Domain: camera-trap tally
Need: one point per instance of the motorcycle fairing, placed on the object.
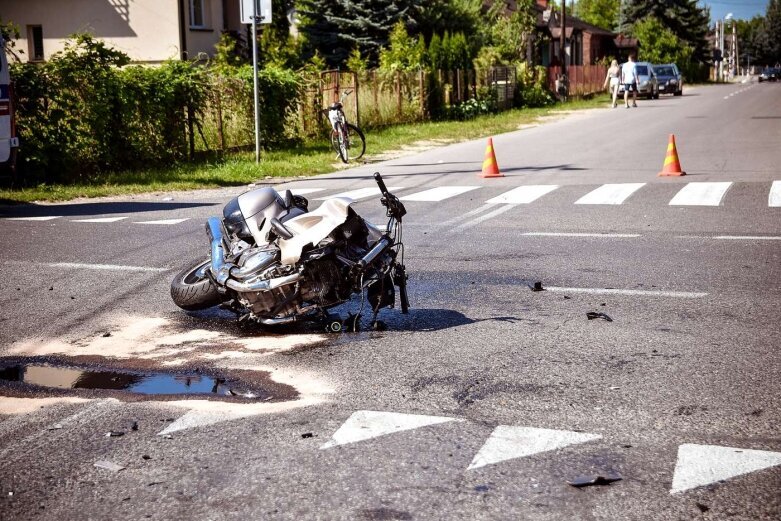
(313, 227)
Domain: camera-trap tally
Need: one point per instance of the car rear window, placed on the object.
(642, 70)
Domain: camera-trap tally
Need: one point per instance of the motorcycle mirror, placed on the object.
(280, 229)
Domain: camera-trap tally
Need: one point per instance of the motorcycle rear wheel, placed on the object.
(191, 292)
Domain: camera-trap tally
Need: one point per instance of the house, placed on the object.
(149, 31)
(586, 44)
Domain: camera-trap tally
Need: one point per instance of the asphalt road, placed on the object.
(484, 401)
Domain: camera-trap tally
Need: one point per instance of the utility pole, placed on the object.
(563, 38)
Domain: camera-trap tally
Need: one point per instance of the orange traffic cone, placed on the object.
(671, 164)
(490, 168)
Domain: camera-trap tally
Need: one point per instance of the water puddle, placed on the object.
(138, 382)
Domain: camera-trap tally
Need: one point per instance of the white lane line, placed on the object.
(774, 198)
(747, 238)
(439, 194)
(700, 465)
(302, 191)
(509, 442)
(701, 194)
(104, 267)
(99, 220)
(364, 425)
(610, 194)
(489, 215)
(40, 218)
(467, 215)
(361, 193)
(633, 292)
(163, 221)
(599, 235)
(523, 194)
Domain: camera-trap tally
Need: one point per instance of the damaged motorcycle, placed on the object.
(272, 261)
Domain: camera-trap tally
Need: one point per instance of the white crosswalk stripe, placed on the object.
(303, 191)
(439, 194)
(99, 220)
(163, 221)
(39, 218)
(610, 194)
(701, 194)
(361, 193)
(523, 194)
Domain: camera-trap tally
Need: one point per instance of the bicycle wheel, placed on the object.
(355, 141)
(339, 142)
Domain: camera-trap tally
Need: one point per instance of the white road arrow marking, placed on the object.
(364, 425)
(700, 465)
(509, 442)
(774, 198)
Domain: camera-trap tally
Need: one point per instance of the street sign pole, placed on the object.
(255, 78)
(258, 12)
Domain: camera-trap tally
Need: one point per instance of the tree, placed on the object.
(602, 13)
(773, 31)
(658, 44)
(335, 28)
(438, 16)
(687, 20)
(404, 52)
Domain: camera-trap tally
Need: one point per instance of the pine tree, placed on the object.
(336, 27)
(687, 20)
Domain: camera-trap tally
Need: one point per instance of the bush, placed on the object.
(84, 113)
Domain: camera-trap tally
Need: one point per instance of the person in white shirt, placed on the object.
(629, 79)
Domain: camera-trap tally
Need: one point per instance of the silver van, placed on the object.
(8, 140)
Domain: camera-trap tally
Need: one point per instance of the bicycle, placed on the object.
(346, 138)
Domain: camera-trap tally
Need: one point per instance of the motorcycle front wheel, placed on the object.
(191, 291)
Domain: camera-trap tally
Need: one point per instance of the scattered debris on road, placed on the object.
(109, 465)
(594, 479)
(591, 315)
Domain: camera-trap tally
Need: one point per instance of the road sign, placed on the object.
(262, 8)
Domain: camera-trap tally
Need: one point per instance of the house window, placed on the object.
(197, 13)
(35, 42)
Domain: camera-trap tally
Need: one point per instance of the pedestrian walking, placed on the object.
(613, 77)
(629, 80)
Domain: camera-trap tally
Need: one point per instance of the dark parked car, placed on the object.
(669, 79)
(769, 74)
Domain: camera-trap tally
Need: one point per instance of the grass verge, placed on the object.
(305, 160)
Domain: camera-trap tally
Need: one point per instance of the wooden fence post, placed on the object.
(398, 93)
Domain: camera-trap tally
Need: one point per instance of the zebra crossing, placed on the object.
(692, 194)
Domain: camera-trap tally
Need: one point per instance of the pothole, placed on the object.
(33, 376)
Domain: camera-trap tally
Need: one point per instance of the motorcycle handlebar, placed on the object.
(380, 183)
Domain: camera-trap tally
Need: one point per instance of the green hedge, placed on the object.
(86, 112)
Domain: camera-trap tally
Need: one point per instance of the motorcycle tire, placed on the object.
(191, 292)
